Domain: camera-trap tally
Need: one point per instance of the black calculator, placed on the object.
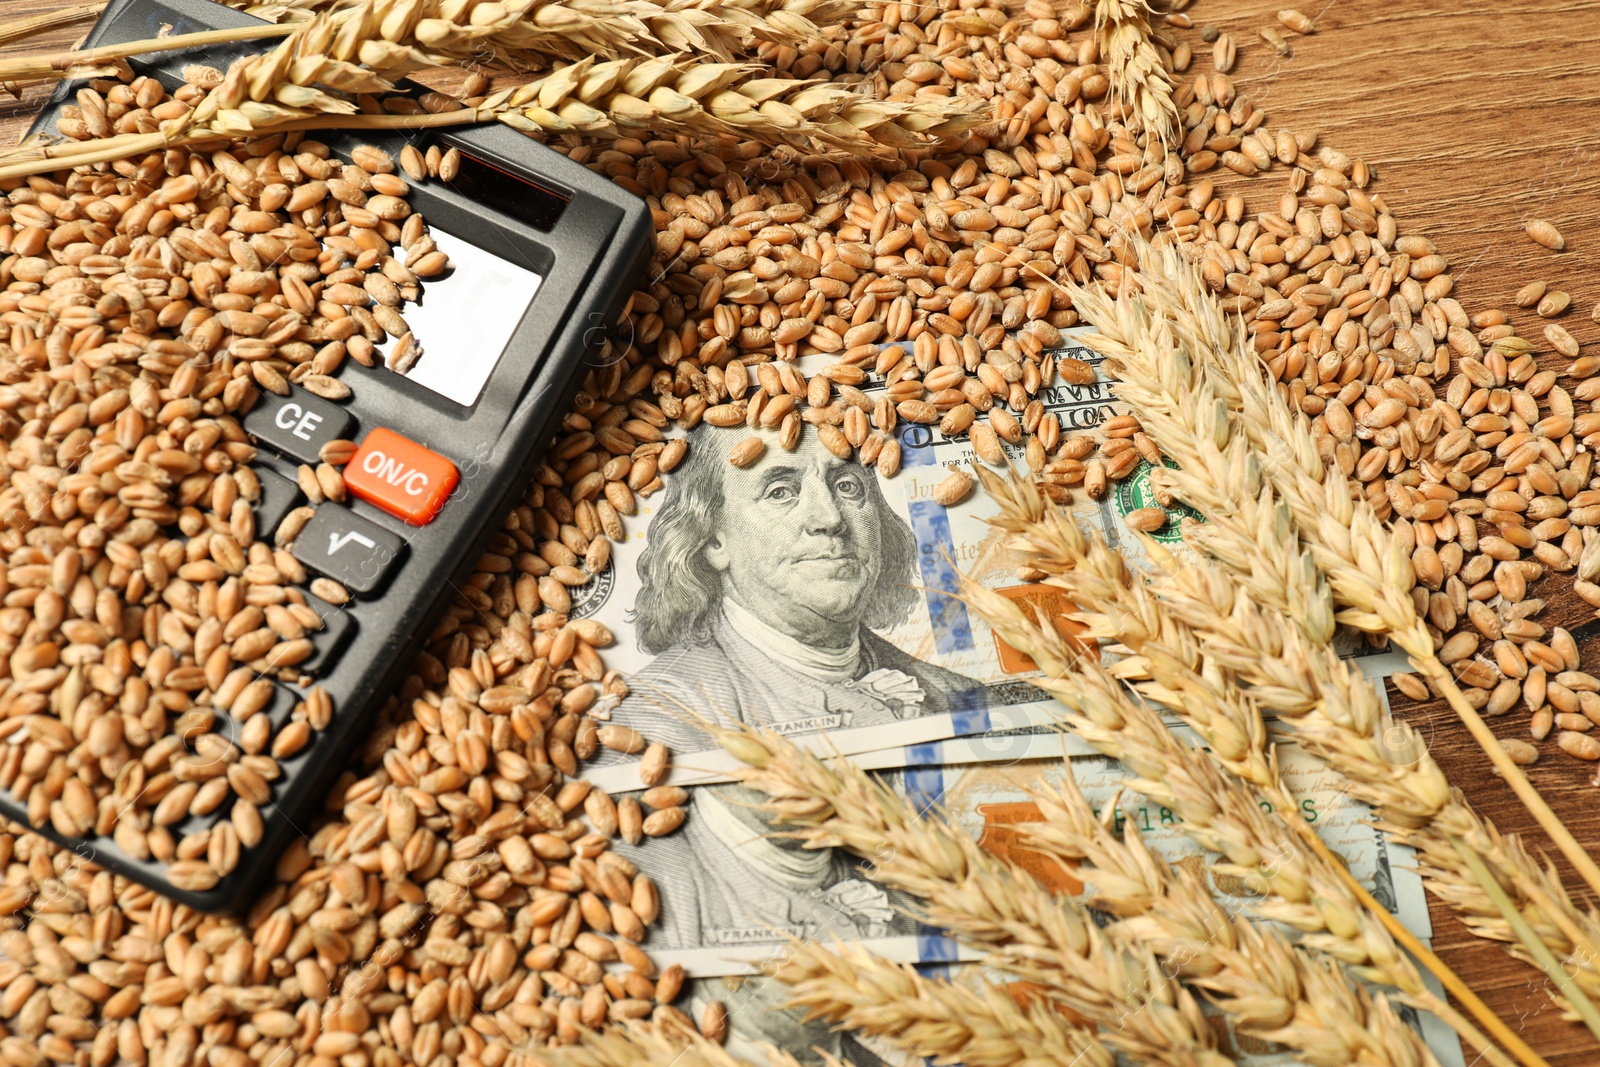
(545, 255)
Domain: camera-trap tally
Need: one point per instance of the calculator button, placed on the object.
(400, 476)
(328, 642)
(347, 548)
(297, 425)
(278, 497)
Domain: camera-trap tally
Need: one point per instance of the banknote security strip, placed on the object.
(542, 259)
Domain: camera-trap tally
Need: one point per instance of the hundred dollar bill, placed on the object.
(804, 593)
(724, 873)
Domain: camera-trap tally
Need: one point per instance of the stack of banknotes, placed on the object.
(806, 594)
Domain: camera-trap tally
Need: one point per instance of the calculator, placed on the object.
(544, 256)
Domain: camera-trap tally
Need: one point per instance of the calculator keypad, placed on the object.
(279, 496)
(328, 642)
(297, 425)
(347, 548)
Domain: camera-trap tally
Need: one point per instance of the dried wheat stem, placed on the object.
(17, 29)
(1167, 659)
(938, 1019)
(1138, 77)
(1273, 990)
(1117, 985)
(55, 63)
(1367, 565)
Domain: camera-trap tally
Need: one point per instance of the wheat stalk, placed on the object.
(60, 63)
(1334, 710)
(17, 29)
(1316, 893)
(937, 1019)
(1117, 985)
(1138, 76)
(1272, 990)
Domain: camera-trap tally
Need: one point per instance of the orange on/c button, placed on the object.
(400, 476)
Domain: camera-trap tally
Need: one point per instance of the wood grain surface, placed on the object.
(1474, 117)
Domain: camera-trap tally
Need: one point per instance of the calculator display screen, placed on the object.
(465, 319)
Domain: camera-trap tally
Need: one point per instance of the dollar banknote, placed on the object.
(801, 592)
(706, 879)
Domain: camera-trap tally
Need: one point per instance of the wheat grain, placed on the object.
(1544, 232)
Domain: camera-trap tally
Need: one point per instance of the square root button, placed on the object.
(400, 476)
(347, 548)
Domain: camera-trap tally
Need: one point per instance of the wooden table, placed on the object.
(1475, 117)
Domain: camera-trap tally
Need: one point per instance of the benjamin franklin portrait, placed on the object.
(761, 593)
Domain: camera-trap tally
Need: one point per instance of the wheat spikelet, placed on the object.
(938, 1019)
(1138, 76)
(1117, 985)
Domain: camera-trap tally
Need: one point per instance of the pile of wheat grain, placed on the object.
(390, 937)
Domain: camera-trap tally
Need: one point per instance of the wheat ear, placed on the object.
(1221, 476)
(1315, 892)
(1272, 989)
(1138, 76)
(937, 1019)
(634, 1043)
(1185, 402)
(1118, 986)
(520, 31)
(708, 100)
(874, 823)
(1366, 563)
